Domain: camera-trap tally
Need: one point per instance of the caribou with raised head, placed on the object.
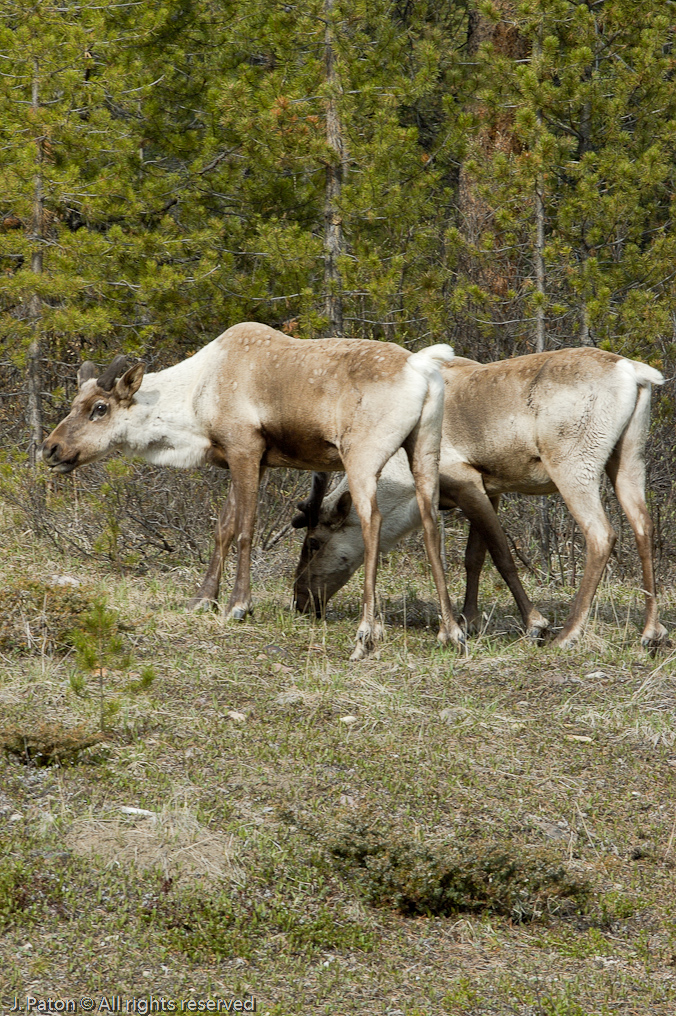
(254, 398)
(535, 424)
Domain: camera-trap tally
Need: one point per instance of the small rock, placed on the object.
(348, 720)
(453, 713)
(237, 717)
(273, 650)
(15, 817)
(64, 580)
(641, 851)
(552, 830)
(288, 698)
(137, 812)
(596, 675)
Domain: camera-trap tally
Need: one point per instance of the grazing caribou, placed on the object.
(254, 398)
(534, 424)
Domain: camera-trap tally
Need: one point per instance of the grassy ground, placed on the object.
(419, 834)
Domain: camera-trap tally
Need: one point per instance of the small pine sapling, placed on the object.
(98, 648)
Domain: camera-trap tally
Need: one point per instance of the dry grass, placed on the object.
(171, 841)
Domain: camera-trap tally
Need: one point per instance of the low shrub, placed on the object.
(415, 878)
(47, 743)
(37, 616)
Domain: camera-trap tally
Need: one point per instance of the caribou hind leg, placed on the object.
(626, 469)
(583, 500)
(423, 455)
(464, 485)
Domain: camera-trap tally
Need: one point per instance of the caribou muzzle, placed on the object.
(52, 456)
(308, 602)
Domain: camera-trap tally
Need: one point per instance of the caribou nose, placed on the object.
(302, 600)
(50, 451)
(307, 602)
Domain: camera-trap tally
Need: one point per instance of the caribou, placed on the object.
(254, 398)
(536, 424)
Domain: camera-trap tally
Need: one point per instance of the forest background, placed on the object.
(495, 175)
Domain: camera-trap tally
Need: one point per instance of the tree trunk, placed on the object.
(333, 225)
(34, 408)
(539, 253)
(540, 267)
(584, 146)
(500, 274)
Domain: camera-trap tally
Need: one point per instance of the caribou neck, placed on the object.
(161, 425)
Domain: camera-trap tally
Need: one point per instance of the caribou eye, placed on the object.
(100, 409)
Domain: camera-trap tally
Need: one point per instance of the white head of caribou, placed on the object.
(254, 398)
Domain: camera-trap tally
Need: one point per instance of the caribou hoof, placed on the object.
(361, 651)
(566, 641)
(199, 604)
(239, 613)
(367, 638)
(537, 631)
(472, 625)
(454, 636)
(658, 639)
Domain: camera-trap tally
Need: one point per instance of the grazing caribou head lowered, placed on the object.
(254, 398)
(534, 425)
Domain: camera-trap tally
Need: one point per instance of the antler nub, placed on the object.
(309, 508)
(87, 371)
(110, 375)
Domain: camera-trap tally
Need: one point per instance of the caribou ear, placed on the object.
(342, 509)
(87, 371)
(130, 382)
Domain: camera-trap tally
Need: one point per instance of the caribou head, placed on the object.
(93, 426)
(331, 552)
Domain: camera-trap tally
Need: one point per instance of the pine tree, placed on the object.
(590, 113)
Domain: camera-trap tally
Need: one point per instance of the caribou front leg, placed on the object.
(207, 594)
(246, 473)
(475, 555)
(363, 488)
